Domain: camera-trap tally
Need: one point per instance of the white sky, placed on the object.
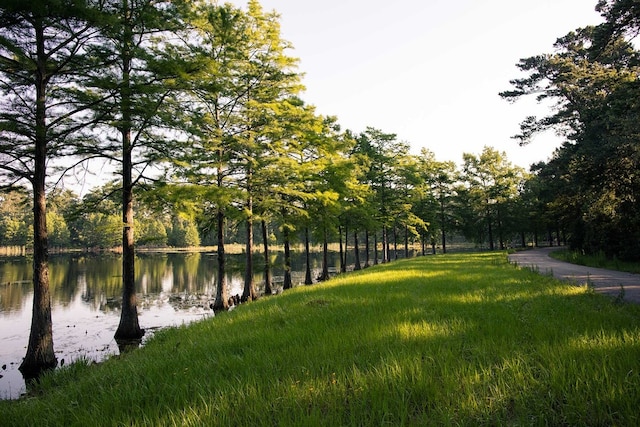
(427, 70)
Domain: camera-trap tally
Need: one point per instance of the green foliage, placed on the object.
(591, 183)
(14, 218)
(463, 339)
(101, 231)
(151, 232)
(492, 185)
(184, 233)
(58, 231)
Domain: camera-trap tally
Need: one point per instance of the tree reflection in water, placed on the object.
(173, 289)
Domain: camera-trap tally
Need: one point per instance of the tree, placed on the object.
(15, 209)
(384, 154)
(271, 78)
(242, 74)
(286, 171)
(184, 233)
(40, 49)
(592, 78)
(438, 179)
(215, 92)
(59, 205)
(492, 182)
(134, 88)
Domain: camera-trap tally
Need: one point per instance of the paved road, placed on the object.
(604, 281)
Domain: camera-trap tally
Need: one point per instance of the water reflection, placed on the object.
(173, 289)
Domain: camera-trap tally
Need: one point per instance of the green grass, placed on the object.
(441, 340)
(597, 260)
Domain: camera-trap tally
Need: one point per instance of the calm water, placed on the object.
(173, 289)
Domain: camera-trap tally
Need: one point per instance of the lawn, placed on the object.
(598, 260)
(456, 339)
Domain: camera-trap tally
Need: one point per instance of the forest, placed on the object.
(197, 108)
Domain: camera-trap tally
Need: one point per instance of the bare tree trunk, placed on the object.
(287, 260)
(308, 280)
(406, 242)
(222, 294)
(268, 290)
(343, 267)
(500, 235)
(249, 293)
(395, 242)
(325, 258)
(443, 227)
(375, 248)
(128, 328)
(356, 252)
(366, 249)
(385, 246)
(40, 355)
(491, 245)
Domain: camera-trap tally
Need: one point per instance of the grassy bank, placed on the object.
(442, 340)
(598, 260)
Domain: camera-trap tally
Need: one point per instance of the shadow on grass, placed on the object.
(460, 339)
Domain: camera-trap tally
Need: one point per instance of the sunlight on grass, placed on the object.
(426, 330)
(462, 339)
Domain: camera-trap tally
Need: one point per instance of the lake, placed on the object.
(173, 289)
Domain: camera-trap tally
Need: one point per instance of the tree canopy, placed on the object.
(593, 80)
(199, 109)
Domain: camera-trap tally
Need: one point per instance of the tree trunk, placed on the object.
(395, 242)
(343, 267)
(308, 280)
(500, 235)
(249, 293)
(325, 258)
(375, 248)
(490, 229)
(406, 242)
(222, 294)
(356, 252)
(366, 249)
(385, 247)
(128, 329)
(443, 227)
(40, 355)
(268, 290)
(287, 260)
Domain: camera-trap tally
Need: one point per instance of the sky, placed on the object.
(428, 71)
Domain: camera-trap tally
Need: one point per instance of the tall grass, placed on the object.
(442, 340)
(599, 260)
